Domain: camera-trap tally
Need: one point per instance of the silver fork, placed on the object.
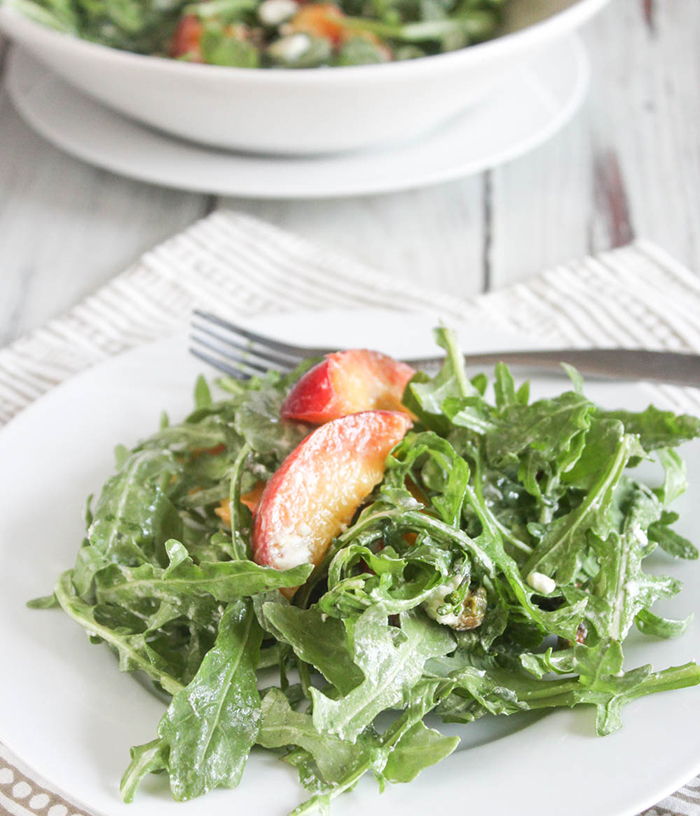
(242, 353)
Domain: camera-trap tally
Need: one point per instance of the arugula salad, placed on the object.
(275, 33)
(316, 562)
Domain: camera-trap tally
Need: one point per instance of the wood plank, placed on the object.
(628, 165)
(4, 48)
(67, 228)
(544, 209)
(541, 207)
(432, 236)
(649, 116)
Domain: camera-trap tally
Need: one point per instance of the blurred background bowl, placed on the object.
(300, 111)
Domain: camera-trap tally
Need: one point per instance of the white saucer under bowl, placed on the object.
(523, 113)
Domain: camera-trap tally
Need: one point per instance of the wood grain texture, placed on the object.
(430, 236)
(67, 228)
(647, 98)
(541, 206)
(649, 11)
(627, 165)
(617, 171)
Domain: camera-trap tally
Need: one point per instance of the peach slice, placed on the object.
(320, 485)
(187, 38)
(328, 21)
(347, 382)
(250, 499)
(320, 20)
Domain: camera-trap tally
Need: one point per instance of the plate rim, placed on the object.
(50, 129)
(648, 799)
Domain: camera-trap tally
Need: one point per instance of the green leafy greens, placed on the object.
(261, 33)
(497, 568)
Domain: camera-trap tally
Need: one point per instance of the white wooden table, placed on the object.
(628, 165)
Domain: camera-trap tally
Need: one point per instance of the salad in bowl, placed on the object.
(327, 564)
(276, 33)
(218, 72)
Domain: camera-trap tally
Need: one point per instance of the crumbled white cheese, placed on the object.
(541, 583)
(290, 49)
(437, 599)
(450, 619)
(276, 12)
(292, 549)
(639, 535)
(258, 469)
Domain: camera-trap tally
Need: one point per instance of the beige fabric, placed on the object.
(637, 296)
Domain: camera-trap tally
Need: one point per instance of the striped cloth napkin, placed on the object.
(637, 296)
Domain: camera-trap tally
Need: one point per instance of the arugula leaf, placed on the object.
(391, 659)
(487, 503)
(184, 581)
(45, 602)
(554, 428)
(211, 725)
(421, 700)
(417, 749)
(602, 442)
(621, 587)
(559, 552)
(675, 480)
(635, 684)
(504, 387)
(486, 551)
(282, 726)
(152, 757)
(240, 549)
(219, 47)
(669, 540)
(473, 413)
(204, 430)
(361, 51)
(202, 393)
(258, 422)
(385, 583)
(317, 640)
(657, 626)
(655, 428)
(425, 396)
(133, 518)
(133, 650)
(499, 691)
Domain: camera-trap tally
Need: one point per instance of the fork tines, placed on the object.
(242, 353)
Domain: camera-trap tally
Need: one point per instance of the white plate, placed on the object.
(524, 112)
(68, 713)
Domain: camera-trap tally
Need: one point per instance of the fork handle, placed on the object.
(627, 364)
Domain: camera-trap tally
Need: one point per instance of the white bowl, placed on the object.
(321, 110)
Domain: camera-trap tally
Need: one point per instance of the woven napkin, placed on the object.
(637, 296)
